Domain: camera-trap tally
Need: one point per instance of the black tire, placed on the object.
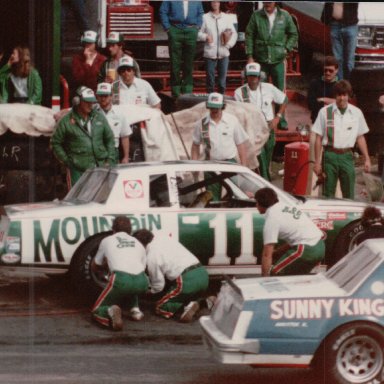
(345, 242)
(353, 353)
(374, 232)
(83, 279)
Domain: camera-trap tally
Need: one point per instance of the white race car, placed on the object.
(226, 235)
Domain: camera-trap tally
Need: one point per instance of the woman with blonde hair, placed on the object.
(20, 82)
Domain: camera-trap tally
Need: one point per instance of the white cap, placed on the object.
(86, 94)
(89, 37)
(104, 89)
(215, 100)
(126, 61)
(252, 69)
(114, 38)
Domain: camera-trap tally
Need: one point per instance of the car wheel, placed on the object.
(345, 242)
(354, 354)
(85, 281)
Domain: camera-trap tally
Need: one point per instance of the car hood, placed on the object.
(337, 205)
(47, 209)
(283, 287)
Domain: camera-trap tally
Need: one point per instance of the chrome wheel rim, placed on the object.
(359, 359)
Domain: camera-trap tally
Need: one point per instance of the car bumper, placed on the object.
(224, 349)
(245, 351)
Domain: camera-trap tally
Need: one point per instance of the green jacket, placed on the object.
(35, 88)
(271, 48)
(76, 148)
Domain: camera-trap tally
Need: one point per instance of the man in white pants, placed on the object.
(175, 275)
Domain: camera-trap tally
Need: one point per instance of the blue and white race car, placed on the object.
(333, 321)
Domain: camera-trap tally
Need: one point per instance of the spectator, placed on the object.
(320, 91)
(264, 96)
(20, 82)
(220, 36)
(82, 139)
(79, 11)
(121, 130)
(86, 65)
(338, 127)
(269, 37)
(131, 90)
(222, 135)
(181, 20)
(373, 224)
(302, 248)
(108, 71)
(125, 257)
(168, 260)
(342, 19)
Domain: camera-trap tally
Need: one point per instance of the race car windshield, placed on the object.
(95, 185)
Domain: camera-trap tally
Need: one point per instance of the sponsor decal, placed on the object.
(337, 216)
(324, 225)
(10, 258)
(310, 309)
(52, 241)
(133, 189)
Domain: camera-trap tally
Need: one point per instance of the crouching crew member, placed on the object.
(125, 257)
(175, 274)
(303, 247)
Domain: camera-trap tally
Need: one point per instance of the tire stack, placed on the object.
(28, 170)
(368, 86)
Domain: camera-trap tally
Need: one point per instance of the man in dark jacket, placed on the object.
(342, 19)
(320, 91)
(270, 35)
(82, 138)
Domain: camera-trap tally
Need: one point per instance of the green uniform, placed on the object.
(270, 48)
(79, 148)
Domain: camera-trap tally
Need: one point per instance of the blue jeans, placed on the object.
(343, 39)
(222, 67)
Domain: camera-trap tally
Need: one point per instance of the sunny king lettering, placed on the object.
(322, 308)
(301, 309)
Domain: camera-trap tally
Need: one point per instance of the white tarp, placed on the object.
(161, 139)
(33, 120)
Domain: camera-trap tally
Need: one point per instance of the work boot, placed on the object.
(135, 314)
(116, 320)
(189, 312)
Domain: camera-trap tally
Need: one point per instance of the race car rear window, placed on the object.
(352, 270)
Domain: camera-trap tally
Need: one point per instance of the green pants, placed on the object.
(276, 72)
(299, 260)
(339, 166)
(182, 47)
(73, 174)
(265, 157)
(122, 288)
(216, 188)
(188, 286)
